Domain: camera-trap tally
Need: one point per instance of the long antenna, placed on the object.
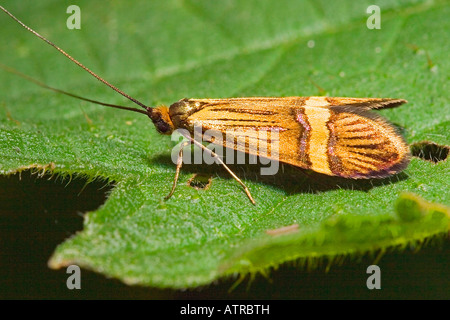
(75, 61)
(43, 85)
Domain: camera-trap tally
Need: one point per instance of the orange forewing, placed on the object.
(333, 136)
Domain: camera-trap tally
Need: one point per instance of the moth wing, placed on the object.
(333, 136)
(263, 126)
(361, 144)
(366, 103)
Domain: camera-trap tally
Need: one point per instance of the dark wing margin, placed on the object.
(367, 103)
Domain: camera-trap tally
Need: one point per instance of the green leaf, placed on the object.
(162, 51)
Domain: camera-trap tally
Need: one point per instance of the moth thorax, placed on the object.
(181, 110)
(161, 120)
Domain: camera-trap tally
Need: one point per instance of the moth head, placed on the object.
(161, 119)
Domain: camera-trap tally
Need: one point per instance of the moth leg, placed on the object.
(219, 160)
(247, 192)
(177, 172)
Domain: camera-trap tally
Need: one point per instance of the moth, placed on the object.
(329, 135)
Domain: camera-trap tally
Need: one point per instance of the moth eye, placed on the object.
(162, 126)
